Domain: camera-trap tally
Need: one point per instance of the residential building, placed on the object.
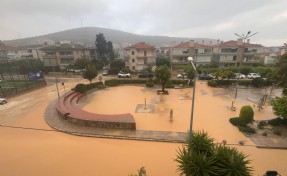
(65, 54)
(9, 52)
(31, 52)
(201, 53)
(230, 53)
(140, 56)
(239, 53)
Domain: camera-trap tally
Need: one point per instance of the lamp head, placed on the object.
(190, 59)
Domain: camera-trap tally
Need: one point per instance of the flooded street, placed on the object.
(38, 152)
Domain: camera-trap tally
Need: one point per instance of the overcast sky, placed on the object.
(217, 19)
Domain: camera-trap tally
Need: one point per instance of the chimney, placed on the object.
(210, 43)
(202, 42)
(239, 41)
(248, 40)
(191, 43)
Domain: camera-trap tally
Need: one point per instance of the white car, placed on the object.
(3, 101)
(253, 75)
(124, 75)
(183, 75)
(239, 76)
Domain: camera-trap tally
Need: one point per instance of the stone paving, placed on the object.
(53, 119)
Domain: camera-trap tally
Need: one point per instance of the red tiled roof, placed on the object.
(196, 45)
(7, 48)
(141, 45)
(233, 43)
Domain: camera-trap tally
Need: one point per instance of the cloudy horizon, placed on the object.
(192, 19)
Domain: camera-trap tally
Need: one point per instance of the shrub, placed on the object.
(212, 83)
(261, 124)
(149, 83)
(246, 114)
(236, 121)
(258, 82)
(94, 85)
(285, 91)
(81, 88)
(275, 122)
(246, 129)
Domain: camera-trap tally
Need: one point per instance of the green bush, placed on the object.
(149, 83)
(285, 91)
(236, 121)
(262, 124)
(94, 85)
(246, 114)
(246, 129)
(244, 82)
(258, 82)
(276, 122)
(81, 88)
(212, 83)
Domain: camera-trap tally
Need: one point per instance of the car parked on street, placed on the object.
(239, 76)
(122, 74)
(182, 75)
(3, 101)
(253, 75)
(205, 76)
(105, 72)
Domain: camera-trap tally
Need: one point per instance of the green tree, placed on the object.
(162, 74)
(117, 63)
(81, 63)
(189, 70)
(280, 74)
(280, 106)
(162, 61)
(101, 45)
(200, 156)
(90, 73)
(110, 50)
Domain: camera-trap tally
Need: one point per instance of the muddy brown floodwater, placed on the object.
(45, 153)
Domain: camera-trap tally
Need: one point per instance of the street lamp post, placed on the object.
(244, 38)
(193, 93)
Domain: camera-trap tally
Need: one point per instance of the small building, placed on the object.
(140, 56)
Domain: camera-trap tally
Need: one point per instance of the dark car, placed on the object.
(205, 76)
(146, 74)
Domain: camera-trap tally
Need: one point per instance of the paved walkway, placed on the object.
(52, 118)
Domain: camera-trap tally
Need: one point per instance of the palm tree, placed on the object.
(200, 156)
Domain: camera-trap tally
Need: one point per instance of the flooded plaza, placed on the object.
(39, 152)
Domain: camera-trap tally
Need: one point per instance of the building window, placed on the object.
(133, 60)
(144, 53)
(133, 52)
(134, 67)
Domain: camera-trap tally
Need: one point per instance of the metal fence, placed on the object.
(19, 76)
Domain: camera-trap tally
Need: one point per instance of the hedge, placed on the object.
(116, 82)
(82, 88)
(255, 82)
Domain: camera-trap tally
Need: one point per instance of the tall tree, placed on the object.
(162, 74)
(90, 73)
(280, 73)
(81, 63)
(101, 45)
(162, 61)
(110, 50)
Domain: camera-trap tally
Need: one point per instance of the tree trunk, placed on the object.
(162, 87)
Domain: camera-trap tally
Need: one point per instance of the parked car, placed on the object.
(205, 76)
(3, 101)
(239, 76)
(146, 74)
(124, 75)
(253, 75)
(183, 75)
(105, 72)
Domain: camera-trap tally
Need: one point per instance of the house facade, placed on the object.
(65, 54)
(140, 56)
(230, 53)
